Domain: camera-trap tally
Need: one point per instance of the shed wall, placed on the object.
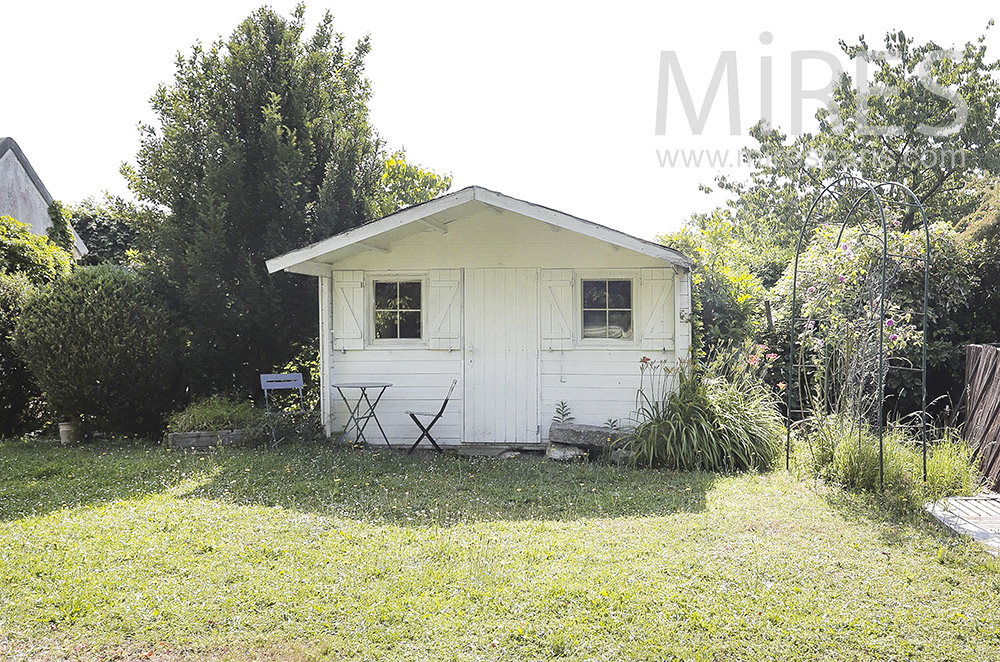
(540, 271)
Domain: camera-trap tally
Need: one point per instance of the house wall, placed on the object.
(19, 197)
(530, 276)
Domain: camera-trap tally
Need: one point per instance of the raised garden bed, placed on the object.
(206, 439)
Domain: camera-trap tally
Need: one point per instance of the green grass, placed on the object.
(316, 553)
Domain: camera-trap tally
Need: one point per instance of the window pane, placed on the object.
(385, 324)
(409, 324)
(595, 324)
(620, 294)
(620, 324)
(385, 296)
(595, 294)
(409, 296)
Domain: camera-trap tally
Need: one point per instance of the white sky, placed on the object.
(551, 102)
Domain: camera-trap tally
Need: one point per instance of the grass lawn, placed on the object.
(134, 552)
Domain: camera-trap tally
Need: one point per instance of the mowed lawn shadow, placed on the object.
(377, 487)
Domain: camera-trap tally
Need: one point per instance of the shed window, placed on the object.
(397, 309)
(607, 309)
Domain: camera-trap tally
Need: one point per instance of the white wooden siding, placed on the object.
(502, 291)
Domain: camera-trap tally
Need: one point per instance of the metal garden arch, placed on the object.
(851, 380)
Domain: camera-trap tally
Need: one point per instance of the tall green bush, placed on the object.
(103, 348)
(26, 260)
(21, 407)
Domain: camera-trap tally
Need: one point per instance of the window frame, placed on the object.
(633, 278)
(395, 277)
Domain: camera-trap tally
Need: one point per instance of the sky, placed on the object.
(552, 102)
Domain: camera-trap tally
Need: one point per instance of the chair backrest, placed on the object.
(281, 381)
(444, 404)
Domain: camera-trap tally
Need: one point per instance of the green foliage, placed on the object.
(837, 450)
(21, 406)
(835, 284)
(563, 413)
(37, 257)
(728, 299)
(218, 413)
(720, 417)
(110, 229)
(407, 184)
(60, 231)
(26, 260)
(262, 145)
(102, 346)
(306, 362)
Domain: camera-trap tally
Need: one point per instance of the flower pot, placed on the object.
(69, 433)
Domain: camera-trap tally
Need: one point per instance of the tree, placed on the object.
(938, 166)
(37, 257)
(405, 184)
(263, 144)
(110, 229)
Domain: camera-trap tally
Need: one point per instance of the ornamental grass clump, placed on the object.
(719, 417)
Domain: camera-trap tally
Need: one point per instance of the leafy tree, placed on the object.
(263, 144)
(938, 166)
(102, 346)
(407, 184)
(110, 229)
(728, 299)
(37, 257)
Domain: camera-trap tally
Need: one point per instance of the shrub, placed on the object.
(102, 347)
(21, 405)
(719, 418)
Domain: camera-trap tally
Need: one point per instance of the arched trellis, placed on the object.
(860, 390)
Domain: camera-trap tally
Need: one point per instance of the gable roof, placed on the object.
(436, 213)
(9, 145)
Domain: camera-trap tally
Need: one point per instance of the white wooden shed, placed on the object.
(525, 306)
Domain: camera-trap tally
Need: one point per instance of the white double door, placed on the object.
(500, 352)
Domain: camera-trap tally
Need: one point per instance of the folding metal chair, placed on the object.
(280, 382)
(425, 430)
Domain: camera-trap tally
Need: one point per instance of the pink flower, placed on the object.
(890, 322)
(644, 360)
(842, 279)
(772, 357)
(811, 290)
(894, 336)
(753, 360)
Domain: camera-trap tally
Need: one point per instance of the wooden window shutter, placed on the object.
(348, 310)
(658, 308)
(444, 309)
(558, 308)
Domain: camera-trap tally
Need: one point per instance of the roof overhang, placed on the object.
(316, 259)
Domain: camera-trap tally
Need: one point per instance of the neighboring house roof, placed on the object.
(436, 214)
(8, 145)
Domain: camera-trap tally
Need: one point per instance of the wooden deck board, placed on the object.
(977, 516)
